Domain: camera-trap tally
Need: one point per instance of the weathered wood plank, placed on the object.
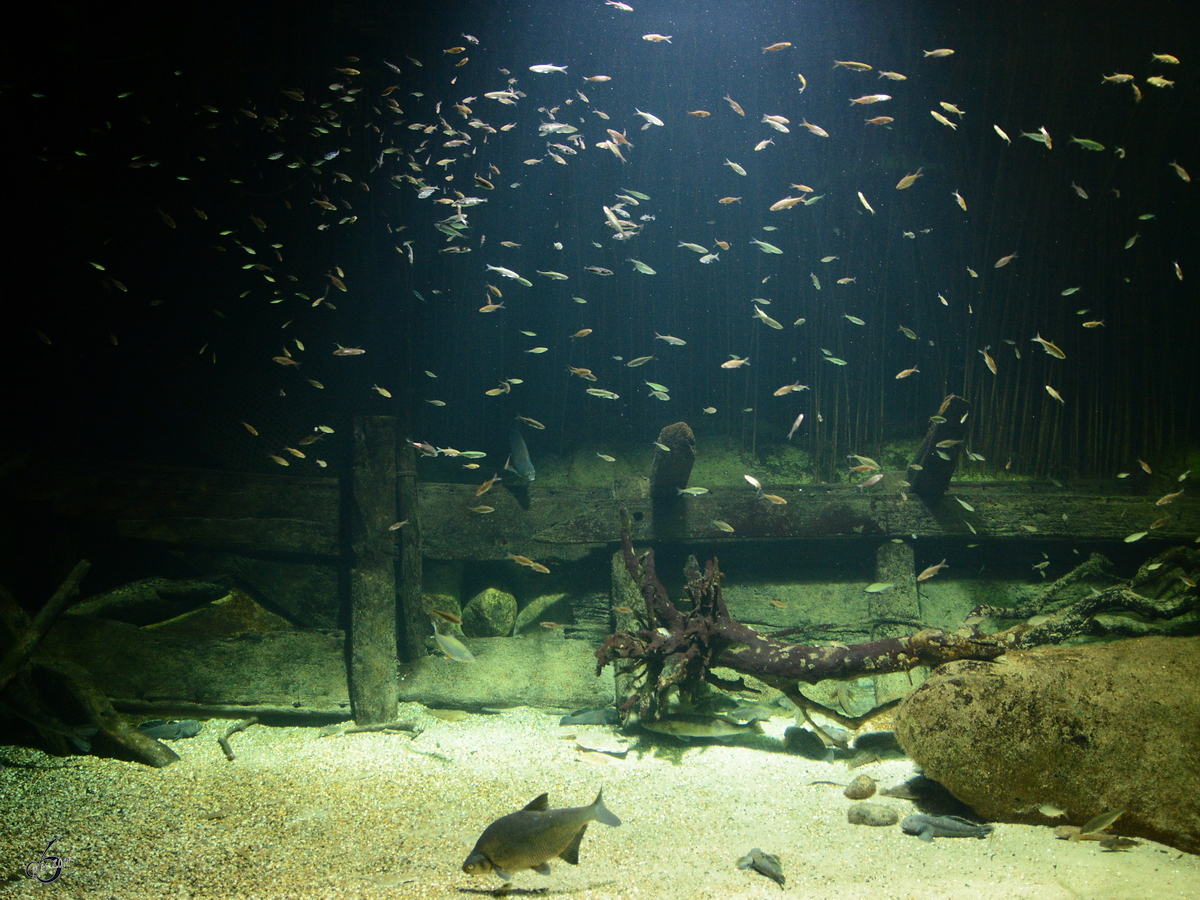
(301, 671)
(197, 507)
(202, 508)
(557, 521)
(414, 624)
(372, 512)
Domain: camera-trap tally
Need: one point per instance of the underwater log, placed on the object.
(27, 639)
(679, 648)
(672, 467)
(374, 687)
(414, 622)
(940, 450)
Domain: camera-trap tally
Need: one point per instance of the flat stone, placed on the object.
(877, 815)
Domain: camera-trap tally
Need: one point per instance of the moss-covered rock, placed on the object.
(447, 603)
(1087, 729)
(555, 607)
(490, 613)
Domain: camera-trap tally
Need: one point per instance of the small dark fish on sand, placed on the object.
(531, 837)
(170, 730)
(1115, 842)
(592, 715)
(929, 827)
(763, 863)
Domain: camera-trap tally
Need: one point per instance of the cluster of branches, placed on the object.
(25, 673)
(675, 651)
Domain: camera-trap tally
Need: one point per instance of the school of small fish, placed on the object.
(461, 158)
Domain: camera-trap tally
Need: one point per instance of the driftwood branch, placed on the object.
(118, 729)
(676, 650)
(233, 729)
(679, 649)
(29, 637)
(1164, 589)
(22, 661)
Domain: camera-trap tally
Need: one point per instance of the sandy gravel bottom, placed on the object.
(376, 815)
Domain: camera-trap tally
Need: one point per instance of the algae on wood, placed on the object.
(373, 678)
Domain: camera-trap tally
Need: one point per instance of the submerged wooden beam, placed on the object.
(414, 623)
(931, 470)
(372, 510)
(203, 509)
(197, 507)
(568, 522)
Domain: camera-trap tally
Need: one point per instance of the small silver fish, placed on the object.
(454, 648)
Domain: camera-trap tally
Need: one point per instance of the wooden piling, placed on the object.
(414, 622)
(938, 456)
(669, 475)
(894, 612)
(372, 509)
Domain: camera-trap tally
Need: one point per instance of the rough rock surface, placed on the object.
(877, 815)
(544, 673)
(539, 609)
(491, 613)
(1087, 729)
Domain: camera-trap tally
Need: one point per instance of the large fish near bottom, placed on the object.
(531, 837)
(929, 827)
(518, 458)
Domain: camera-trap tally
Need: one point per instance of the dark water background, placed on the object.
(154, 396)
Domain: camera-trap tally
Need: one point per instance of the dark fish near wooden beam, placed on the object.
(518, 460)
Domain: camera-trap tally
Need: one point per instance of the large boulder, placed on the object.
(1087, 729)
(491, 613)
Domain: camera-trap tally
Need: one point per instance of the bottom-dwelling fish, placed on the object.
(684, 726)
(763, 863)
(929, 827)
(531, 837)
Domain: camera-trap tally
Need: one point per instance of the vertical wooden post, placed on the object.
(627, 595)
(930, 481)
(888, 611)
(414, 623)
(373, 681)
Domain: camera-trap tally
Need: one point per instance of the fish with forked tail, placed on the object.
(518, 460)
(531, 837)
(684, 727)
